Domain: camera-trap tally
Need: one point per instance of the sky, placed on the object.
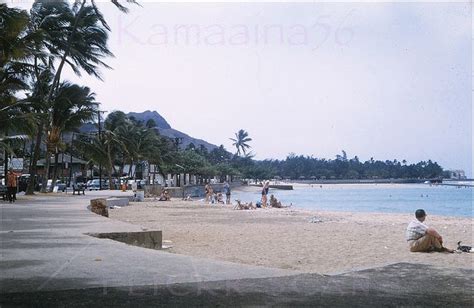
(380, 79)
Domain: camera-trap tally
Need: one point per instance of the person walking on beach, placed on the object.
(422, 238)
(11, 185)
(265, 189)
(227, 192)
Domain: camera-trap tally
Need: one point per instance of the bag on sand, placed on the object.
(464, 248)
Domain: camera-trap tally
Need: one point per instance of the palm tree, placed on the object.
(139, 143)
(83, 42)
(100, 151)
(73, 106)
(72, 35)
(14, 54)
(240, 141)
(14, 69)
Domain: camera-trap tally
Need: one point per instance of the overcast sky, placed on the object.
(382, 80)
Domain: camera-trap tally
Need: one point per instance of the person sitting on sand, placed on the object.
(274, 202)
(220, 198)
(165, 196)
(422, 238)
(244, 206)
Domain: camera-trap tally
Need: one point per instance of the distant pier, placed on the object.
(276, 186)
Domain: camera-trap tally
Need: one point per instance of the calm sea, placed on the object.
(437, 200)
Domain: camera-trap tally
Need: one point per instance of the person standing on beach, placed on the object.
(209, 191)
(422, 238)
(227, 192)
(265, 189)
(11, 185)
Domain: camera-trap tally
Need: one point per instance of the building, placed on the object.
(66, 165)
(457, 174)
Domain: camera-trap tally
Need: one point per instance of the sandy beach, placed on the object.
(287, 238)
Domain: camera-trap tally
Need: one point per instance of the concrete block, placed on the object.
(99, 206)
(117, 201)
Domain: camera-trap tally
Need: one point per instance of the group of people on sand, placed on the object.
(273, 201)
(217, 197)
(263, 203)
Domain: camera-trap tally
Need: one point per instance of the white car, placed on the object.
(95, 184)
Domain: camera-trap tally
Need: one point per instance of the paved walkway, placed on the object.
(44, 246)
(48, 260)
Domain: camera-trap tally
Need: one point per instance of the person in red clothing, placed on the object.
(12, 180)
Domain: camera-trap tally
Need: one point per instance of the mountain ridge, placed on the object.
(165, 129)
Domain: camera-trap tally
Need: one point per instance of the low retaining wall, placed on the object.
(194, 191)
(145, 239)
(117, 201)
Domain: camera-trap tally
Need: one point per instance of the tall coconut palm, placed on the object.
(83, 43)
(74, 36)
(240, 141)
(14, 54)
(14, 69)
(73, 106)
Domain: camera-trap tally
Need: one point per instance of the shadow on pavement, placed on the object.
(396, 285)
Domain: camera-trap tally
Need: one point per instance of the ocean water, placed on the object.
(402, 198)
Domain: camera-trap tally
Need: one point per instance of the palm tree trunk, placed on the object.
(122, 165)
(111, 167)
(6, 166)
(36, 154)
(130, 169)
(46, 177)
(55, 171)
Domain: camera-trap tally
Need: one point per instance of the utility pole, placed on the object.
(5, 170)
(100, 165)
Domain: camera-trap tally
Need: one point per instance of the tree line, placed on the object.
(308, 167)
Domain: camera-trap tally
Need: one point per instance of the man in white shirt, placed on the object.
(422, 238)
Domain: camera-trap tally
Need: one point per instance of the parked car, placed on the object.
(61, 185)
(95, 184)
(141, 184)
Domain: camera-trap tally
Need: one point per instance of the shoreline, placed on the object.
(251, 193)
(287, 239)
